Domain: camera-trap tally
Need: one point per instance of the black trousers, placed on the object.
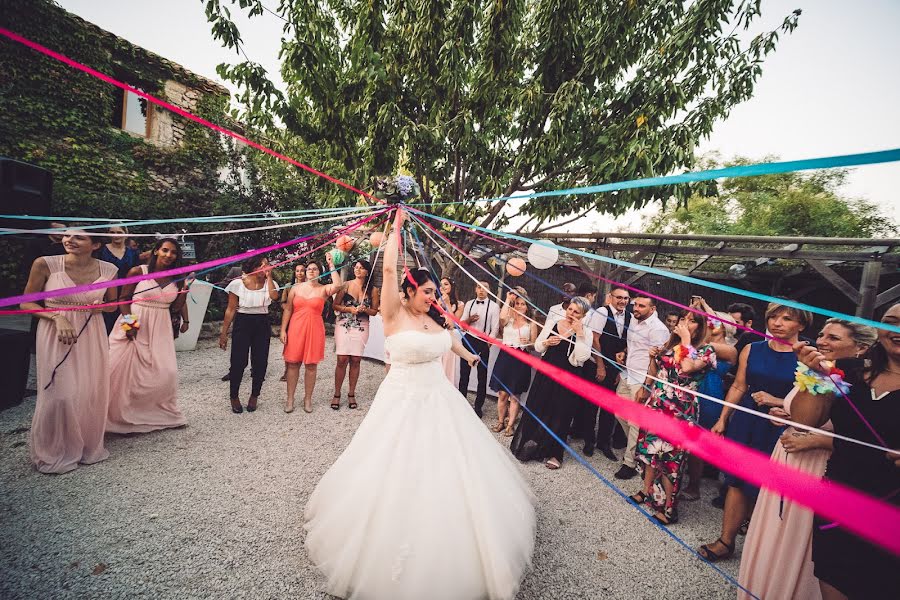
(250, 335)
(593, 424)
(482, 349)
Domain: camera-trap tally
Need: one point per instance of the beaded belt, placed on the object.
(152, 304)
(55, 303)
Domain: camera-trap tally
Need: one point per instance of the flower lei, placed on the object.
(679, 353)
(130, 325)
(814, 382)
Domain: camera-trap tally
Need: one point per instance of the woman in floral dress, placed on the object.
(353, 305)
(679, 362)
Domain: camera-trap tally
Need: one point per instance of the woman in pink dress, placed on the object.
(72, 379)
(143, 371)
(353, 305)
(303, 331)
(451, 302)
(777, 556)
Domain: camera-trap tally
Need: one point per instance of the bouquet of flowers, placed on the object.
(130, 325)
(399, 188)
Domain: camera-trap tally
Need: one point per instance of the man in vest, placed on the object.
(610, 326)
(482, 314)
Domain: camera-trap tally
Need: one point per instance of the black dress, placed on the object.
(552, 404)
(853, 566)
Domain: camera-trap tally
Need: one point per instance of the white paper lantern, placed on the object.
(542, 257)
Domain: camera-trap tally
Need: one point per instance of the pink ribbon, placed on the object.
(37, 296)
(876, 521)
(180, 111)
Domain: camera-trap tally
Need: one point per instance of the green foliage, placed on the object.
(480, 98)
(789, 204)
(61, 119)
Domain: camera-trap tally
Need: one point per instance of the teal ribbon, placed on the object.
(677, 276)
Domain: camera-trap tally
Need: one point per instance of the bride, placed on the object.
(423, 503)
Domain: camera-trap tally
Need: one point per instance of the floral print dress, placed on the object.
(652, 450)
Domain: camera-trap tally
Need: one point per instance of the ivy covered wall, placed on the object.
(62, 119)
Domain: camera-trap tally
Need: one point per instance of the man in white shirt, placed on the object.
(557, 312)
(645, 331)
(482, 314)
(610, 327)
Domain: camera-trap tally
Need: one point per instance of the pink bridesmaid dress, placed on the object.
(70, 414)
(777, 558)
(143, 372)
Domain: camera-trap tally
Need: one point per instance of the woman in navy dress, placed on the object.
(124, 257)
(765, 375)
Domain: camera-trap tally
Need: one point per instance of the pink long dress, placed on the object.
(143, 372)
(777, 557)
(70, 414)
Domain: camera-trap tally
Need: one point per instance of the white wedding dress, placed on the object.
(424, 503)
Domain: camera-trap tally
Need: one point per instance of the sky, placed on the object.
(827, 89)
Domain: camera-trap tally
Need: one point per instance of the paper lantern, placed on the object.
(376, 238)
(338, 256)
(515, 266)
(345, 243)
(542, 257)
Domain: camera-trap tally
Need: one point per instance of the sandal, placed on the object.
(669, 516)
(552, 464)
(744, 527)
(639, 498)
(710, 556)
(336, 405)
(351, 401)
(508, 432)
(690, 496)
(497, 428)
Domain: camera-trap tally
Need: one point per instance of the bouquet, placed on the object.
(130, 325)
(399, 188)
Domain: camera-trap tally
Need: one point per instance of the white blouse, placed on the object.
(578, 352)
(250, 302)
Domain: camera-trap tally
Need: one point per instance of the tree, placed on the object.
(483, 98)
(788, 204)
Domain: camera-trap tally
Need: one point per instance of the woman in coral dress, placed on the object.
(143, 371)
(72, 379)
(303, 331)
(777, 558)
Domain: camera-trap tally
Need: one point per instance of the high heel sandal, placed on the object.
(236, 407)
(351, 401)
(707, 553)
(336, 405)
(497, 428)
(508, 432)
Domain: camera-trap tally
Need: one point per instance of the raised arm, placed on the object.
(336, 283)
(390, 290)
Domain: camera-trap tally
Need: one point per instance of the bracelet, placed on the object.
(817, 383)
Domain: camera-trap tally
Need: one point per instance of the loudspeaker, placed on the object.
(25, 189)
(15, 360)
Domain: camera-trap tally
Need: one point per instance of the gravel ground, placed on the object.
(214, 509)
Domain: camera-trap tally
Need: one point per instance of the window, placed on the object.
(132, 113)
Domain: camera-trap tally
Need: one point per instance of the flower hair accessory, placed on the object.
(130, 325)
(396, 189)
(814, 382)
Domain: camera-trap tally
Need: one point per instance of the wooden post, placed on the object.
(868, 289)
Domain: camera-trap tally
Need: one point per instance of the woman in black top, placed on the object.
(847, 566)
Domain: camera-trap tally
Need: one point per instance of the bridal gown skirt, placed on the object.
(423, 503)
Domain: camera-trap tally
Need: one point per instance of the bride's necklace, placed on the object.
(423, 319)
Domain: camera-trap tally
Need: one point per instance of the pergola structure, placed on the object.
(691, 254)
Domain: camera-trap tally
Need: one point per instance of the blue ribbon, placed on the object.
(677, 276)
